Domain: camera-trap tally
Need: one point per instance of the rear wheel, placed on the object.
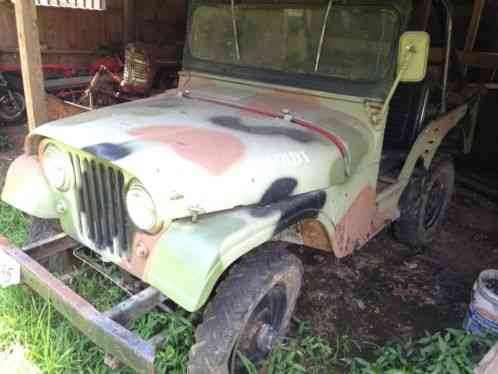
(425, 204)
(252, 308)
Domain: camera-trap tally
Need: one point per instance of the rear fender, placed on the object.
(26, 188)
(429, 141)
(189, 258)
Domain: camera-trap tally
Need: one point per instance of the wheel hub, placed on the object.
(266, 338)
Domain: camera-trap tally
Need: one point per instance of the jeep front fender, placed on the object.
(189, 258)
(26, 188)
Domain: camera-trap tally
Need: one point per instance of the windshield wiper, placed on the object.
(322, 35)
(235, 30)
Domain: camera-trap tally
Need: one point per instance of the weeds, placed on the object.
(13, 224)
(305, 353)
(5, 144)
(452, 352)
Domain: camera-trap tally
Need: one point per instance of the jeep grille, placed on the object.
(100, 192)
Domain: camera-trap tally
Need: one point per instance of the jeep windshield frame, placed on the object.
(357, 55)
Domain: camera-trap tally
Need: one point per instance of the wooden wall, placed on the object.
(67, 35)
(72, 36)
(161, 21)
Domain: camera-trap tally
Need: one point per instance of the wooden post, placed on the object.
(31, 62)
(475, 22)
(129, 21)
(473, 28)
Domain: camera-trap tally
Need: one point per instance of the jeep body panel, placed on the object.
(234, 154)
(24, 173)
(232, 162)
(262, 173)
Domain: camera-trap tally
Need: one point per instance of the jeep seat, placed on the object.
(404, 121)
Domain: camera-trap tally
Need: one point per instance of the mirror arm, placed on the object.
(235, 30)
(322, 35)
(410, 51)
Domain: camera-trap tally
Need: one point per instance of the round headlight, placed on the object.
(141, 208)
(57, 167)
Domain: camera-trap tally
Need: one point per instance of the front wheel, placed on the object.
(425, 204)
(252, 308)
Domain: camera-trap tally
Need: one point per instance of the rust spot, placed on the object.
(354, 230)
(315, 235)
(136, 264)
(214, 151)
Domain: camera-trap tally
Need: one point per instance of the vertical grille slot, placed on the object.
(103, 220)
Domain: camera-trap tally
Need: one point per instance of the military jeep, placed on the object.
(315, 122)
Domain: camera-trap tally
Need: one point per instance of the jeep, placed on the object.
(315, 122)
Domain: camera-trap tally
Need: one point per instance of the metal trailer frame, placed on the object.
(108, 329)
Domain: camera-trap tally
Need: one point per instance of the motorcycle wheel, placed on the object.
(13, 110)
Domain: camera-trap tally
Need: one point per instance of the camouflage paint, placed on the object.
(248, 175)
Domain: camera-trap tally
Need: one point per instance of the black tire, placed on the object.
(260, 291)
(424, 205)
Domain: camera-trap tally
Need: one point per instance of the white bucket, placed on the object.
(482, 316)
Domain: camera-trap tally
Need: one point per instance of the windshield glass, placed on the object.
(355, 42)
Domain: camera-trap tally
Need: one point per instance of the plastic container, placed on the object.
(482, 316)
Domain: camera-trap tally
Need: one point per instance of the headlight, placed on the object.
(57, 167)
(141, 208)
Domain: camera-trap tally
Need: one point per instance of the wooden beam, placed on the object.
(129, 29)
(482, 60)
(31, 63)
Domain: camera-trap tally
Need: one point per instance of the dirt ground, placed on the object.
(387, 290)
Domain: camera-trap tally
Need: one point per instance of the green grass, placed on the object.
(451, 351)
(13, 224)
(56, 347)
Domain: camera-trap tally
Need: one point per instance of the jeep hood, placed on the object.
(203, 153)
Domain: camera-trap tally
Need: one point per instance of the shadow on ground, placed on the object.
(387, 290)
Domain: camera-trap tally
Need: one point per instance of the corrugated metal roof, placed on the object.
(77, 4)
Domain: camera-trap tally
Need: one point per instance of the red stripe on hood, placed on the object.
(308, 125)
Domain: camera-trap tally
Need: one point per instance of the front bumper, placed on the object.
(124, 345)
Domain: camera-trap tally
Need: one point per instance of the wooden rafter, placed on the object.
(482, 60)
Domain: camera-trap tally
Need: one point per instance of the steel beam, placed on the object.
(113, 338)
(136, 306)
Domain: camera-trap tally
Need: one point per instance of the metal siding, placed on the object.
(77, 4)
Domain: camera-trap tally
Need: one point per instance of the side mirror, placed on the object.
(413, 56)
